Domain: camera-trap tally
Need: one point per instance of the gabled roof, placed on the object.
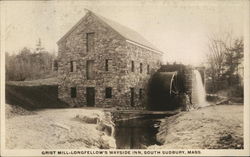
(129, 34)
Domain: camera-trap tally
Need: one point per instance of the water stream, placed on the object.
(137, 133)
(198, 90)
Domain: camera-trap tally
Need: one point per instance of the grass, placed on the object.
(33, 97)
(38, 82)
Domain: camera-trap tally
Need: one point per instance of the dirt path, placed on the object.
(54, 129)
(213, 127)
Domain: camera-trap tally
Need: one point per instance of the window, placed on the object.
(147, 69)
(108, 64)
(72, 66)
(132, 66)
(90, 70)
(73, 92)
(108, 92)
(132, 95)
(90, 43)
(140, 67)
(140, 93)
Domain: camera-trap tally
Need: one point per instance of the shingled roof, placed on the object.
(124, 31)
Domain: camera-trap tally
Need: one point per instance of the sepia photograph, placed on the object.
(125, 78)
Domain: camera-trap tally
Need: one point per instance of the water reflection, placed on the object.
(137, 133)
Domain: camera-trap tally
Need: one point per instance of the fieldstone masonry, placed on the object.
(108, 44)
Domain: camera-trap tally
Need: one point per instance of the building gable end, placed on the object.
(89, 13)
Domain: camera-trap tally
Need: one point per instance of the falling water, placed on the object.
(199, 93)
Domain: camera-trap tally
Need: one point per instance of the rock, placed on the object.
(93, 119)
(61, 126)
(107, 142)
(224, 101)
(106, 127)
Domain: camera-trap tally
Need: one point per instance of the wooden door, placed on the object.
(90, 96)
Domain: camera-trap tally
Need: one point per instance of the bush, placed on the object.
(236, 91)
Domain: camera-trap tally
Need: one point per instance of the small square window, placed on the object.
(72, 66)
(108, 64)
(108, 92)
(140, 67)
(132, 66)
(73, 92)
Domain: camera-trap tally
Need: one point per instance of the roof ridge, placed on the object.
(124, 31)
(107, 21)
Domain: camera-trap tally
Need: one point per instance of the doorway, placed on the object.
(90, 96)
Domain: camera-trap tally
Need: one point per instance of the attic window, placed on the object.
(90, 43)
(90, 73)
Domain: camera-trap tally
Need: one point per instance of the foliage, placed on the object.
(27, 65)
(224, 59)
(232, 61)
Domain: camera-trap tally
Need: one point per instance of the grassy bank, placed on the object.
(33, 94)
(213, 127)
(33, 97)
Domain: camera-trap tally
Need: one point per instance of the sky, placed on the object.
(178, 28)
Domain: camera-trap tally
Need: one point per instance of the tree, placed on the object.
(39, 47)
(225, 55)
(27, 65)
(234, 56)
(215, 59)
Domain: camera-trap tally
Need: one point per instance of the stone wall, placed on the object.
(108, 45)
(136, 79)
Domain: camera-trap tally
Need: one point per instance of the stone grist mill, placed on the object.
(104, 64)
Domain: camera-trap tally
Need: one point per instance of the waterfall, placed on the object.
(198, 90)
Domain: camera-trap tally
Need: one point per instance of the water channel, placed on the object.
(140, 132)
(137, 133)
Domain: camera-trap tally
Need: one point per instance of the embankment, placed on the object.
(32, 122)
(33, 95)
(213, 127)
(60, 129)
